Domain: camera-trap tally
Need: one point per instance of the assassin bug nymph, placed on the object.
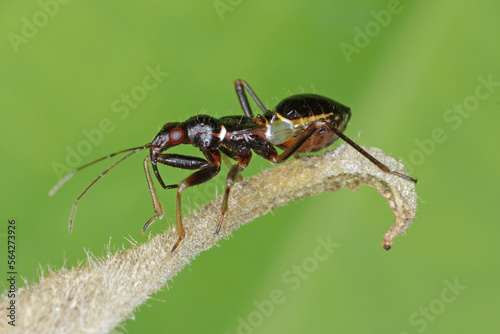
(299, 124)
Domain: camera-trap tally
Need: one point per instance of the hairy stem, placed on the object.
(97, 297)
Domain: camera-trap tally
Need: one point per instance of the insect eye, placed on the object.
(176, 135)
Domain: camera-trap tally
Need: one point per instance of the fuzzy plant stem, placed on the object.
(97, 297)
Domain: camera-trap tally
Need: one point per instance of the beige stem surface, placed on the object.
(97, 297)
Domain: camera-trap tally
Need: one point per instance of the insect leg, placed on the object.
(301, 139)
(240, 85)
(154, 197)
(243, 162)
(312, 128)
(225, 158)
(207, 170)
(201, 176)
(178, 161)
(174, 160)
(358, 148)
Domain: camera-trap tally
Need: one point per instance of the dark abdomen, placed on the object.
(295, 113)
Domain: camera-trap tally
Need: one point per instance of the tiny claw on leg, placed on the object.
(149, 222)
(220, 224)
(176, 244)
(403, 176)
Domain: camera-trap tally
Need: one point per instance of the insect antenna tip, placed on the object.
(61, 183)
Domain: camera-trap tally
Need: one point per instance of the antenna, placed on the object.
(70, 175)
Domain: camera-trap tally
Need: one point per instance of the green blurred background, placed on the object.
(413, 73)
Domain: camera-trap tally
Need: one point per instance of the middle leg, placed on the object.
(199, 177)
(243, 162)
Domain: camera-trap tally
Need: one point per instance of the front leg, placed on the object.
(173, 160)
(207, 170)
(178, 161)
(154, 196)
